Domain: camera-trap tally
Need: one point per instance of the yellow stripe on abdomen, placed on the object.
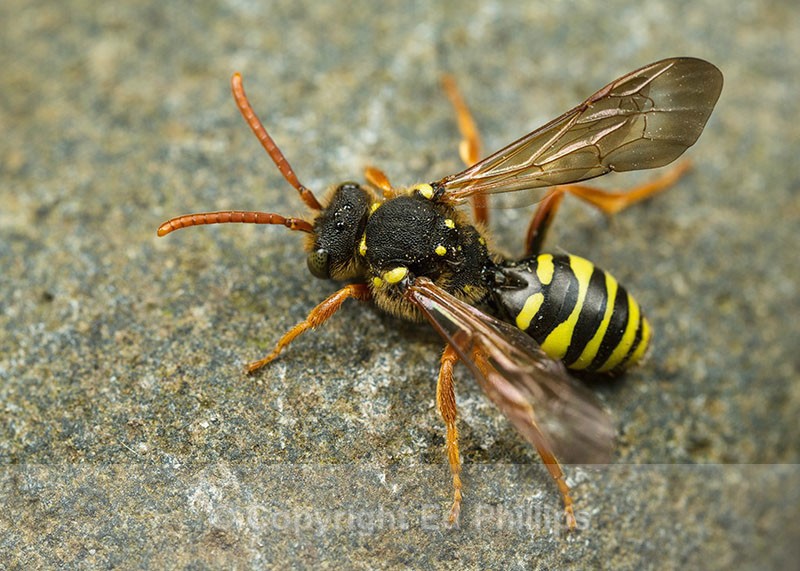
(593, 346)
(643, 344)
(557, 342)
(545, 268)
(529, 310)
(622, 348)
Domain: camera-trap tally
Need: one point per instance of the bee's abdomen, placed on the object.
(577, 312)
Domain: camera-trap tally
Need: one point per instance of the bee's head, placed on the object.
(338, 228)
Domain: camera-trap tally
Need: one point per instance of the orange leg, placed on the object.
(558, 475)
(608, 202)
(546, 454)
(317, 317)
(470, 146)
(379, 180)
(541, 221)
(446, 403)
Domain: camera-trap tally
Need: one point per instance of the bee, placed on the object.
(519, 325)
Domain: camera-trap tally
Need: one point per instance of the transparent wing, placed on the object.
(535, 392)
(643, 120)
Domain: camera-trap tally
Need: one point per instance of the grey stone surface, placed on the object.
(130, 436)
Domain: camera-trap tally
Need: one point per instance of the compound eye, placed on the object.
(318, 263)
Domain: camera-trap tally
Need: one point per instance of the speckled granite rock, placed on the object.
(129, 435)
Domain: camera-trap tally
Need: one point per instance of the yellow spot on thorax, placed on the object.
(374, 206)
(377, 282)
(440, 250)
(449, 223)
(395, 275)
(426, 190)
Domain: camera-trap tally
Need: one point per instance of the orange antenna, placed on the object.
(269, 145)
(240, 216)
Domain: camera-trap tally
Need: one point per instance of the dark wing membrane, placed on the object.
(643, 120)
(535, 392)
